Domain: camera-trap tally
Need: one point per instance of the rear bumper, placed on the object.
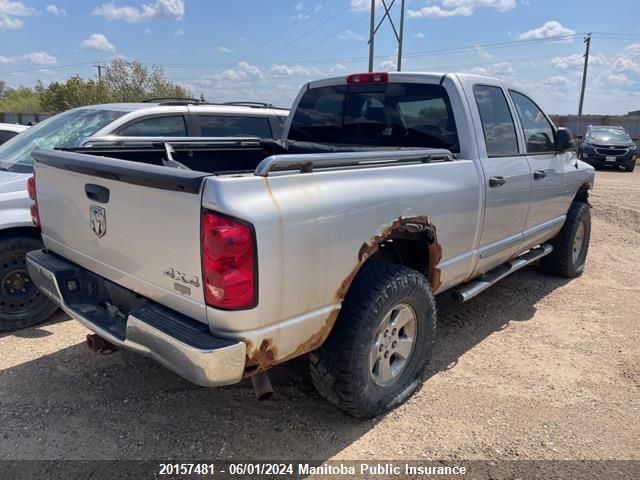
(180, 343)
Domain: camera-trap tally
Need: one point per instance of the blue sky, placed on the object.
(265, 50)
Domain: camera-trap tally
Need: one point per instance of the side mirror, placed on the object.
(579, 137)
(635, 139)
(564, 140)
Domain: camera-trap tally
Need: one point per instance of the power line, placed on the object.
(315, 8)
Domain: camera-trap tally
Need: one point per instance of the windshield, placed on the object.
(381, 114)
(60, 131)
(608, 135)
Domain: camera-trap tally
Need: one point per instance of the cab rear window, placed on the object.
(389, 114)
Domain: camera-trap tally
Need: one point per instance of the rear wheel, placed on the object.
(381, 344)
(571, 245)
(21, 303)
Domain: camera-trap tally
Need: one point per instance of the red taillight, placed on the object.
(373, 77)
(228, 262)
(31, 190)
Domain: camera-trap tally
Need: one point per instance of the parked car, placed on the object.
(10, 130)
(390, 189)
(606, 145)
(21, 304)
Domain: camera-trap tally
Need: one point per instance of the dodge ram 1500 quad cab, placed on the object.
(389, 189)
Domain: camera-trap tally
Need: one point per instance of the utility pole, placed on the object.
(99, 66)
(587, 41)
(372, 33)
(401, 37)
(373, 29)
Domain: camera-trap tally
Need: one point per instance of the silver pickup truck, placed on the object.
(389, 189)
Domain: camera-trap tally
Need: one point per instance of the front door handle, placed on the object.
(497, 181)
(538, 174)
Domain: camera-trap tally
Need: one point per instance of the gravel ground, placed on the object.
(535, 368)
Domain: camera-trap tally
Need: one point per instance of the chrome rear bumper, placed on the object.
(181, 344)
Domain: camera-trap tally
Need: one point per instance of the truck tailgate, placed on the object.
(137, 225)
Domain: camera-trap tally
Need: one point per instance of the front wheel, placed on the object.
(630, 168)
(376, 354)
(21, 303)
(571, 245)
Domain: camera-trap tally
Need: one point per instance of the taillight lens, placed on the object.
(228, 262)
(31, 190)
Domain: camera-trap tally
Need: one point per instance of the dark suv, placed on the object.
(606, 145)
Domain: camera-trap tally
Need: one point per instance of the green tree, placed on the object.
(123, 82)
(134, 82)
(75, 92)
(21, 99)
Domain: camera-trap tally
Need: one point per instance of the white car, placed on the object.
(10, 130)
(177, 120)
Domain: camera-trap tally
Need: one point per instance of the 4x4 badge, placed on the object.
(98, 220)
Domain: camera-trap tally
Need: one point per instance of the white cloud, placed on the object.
(222, 49)
(98, 42)
(550, 29)
(9, 10)
(178, 33)
(501, 69)
(353, 35)
(559, 82)
(55, 10)
(577, 60)
(298, 6)
(363, 5)
(619, 80)
(419, 35)
(628, 60)
(338, 67)
(465, 8)
(242, 71)
(294, 70)
(481, 52)
(38, 58)
(158, 9)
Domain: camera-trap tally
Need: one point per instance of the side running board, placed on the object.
(474, 287)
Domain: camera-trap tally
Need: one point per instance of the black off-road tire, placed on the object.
(18, 308)
(341, 368)
(562, 260)
(630, 168)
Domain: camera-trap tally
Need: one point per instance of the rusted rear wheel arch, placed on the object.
(409, 241)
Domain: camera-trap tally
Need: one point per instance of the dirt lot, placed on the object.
(535, 368)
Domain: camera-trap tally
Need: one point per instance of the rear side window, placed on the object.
(538, 132)
(393, 114)
(497, 123)
(6, 135)
(234, 126)
(167, 126)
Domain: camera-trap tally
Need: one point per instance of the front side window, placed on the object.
(538, 132)
(497, 123)
(234, 126)
(377, 114)
(167, 126)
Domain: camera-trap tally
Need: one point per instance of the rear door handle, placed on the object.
(497, 181)
(538, 174)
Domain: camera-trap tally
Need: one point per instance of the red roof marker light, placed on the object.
(373, 77)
